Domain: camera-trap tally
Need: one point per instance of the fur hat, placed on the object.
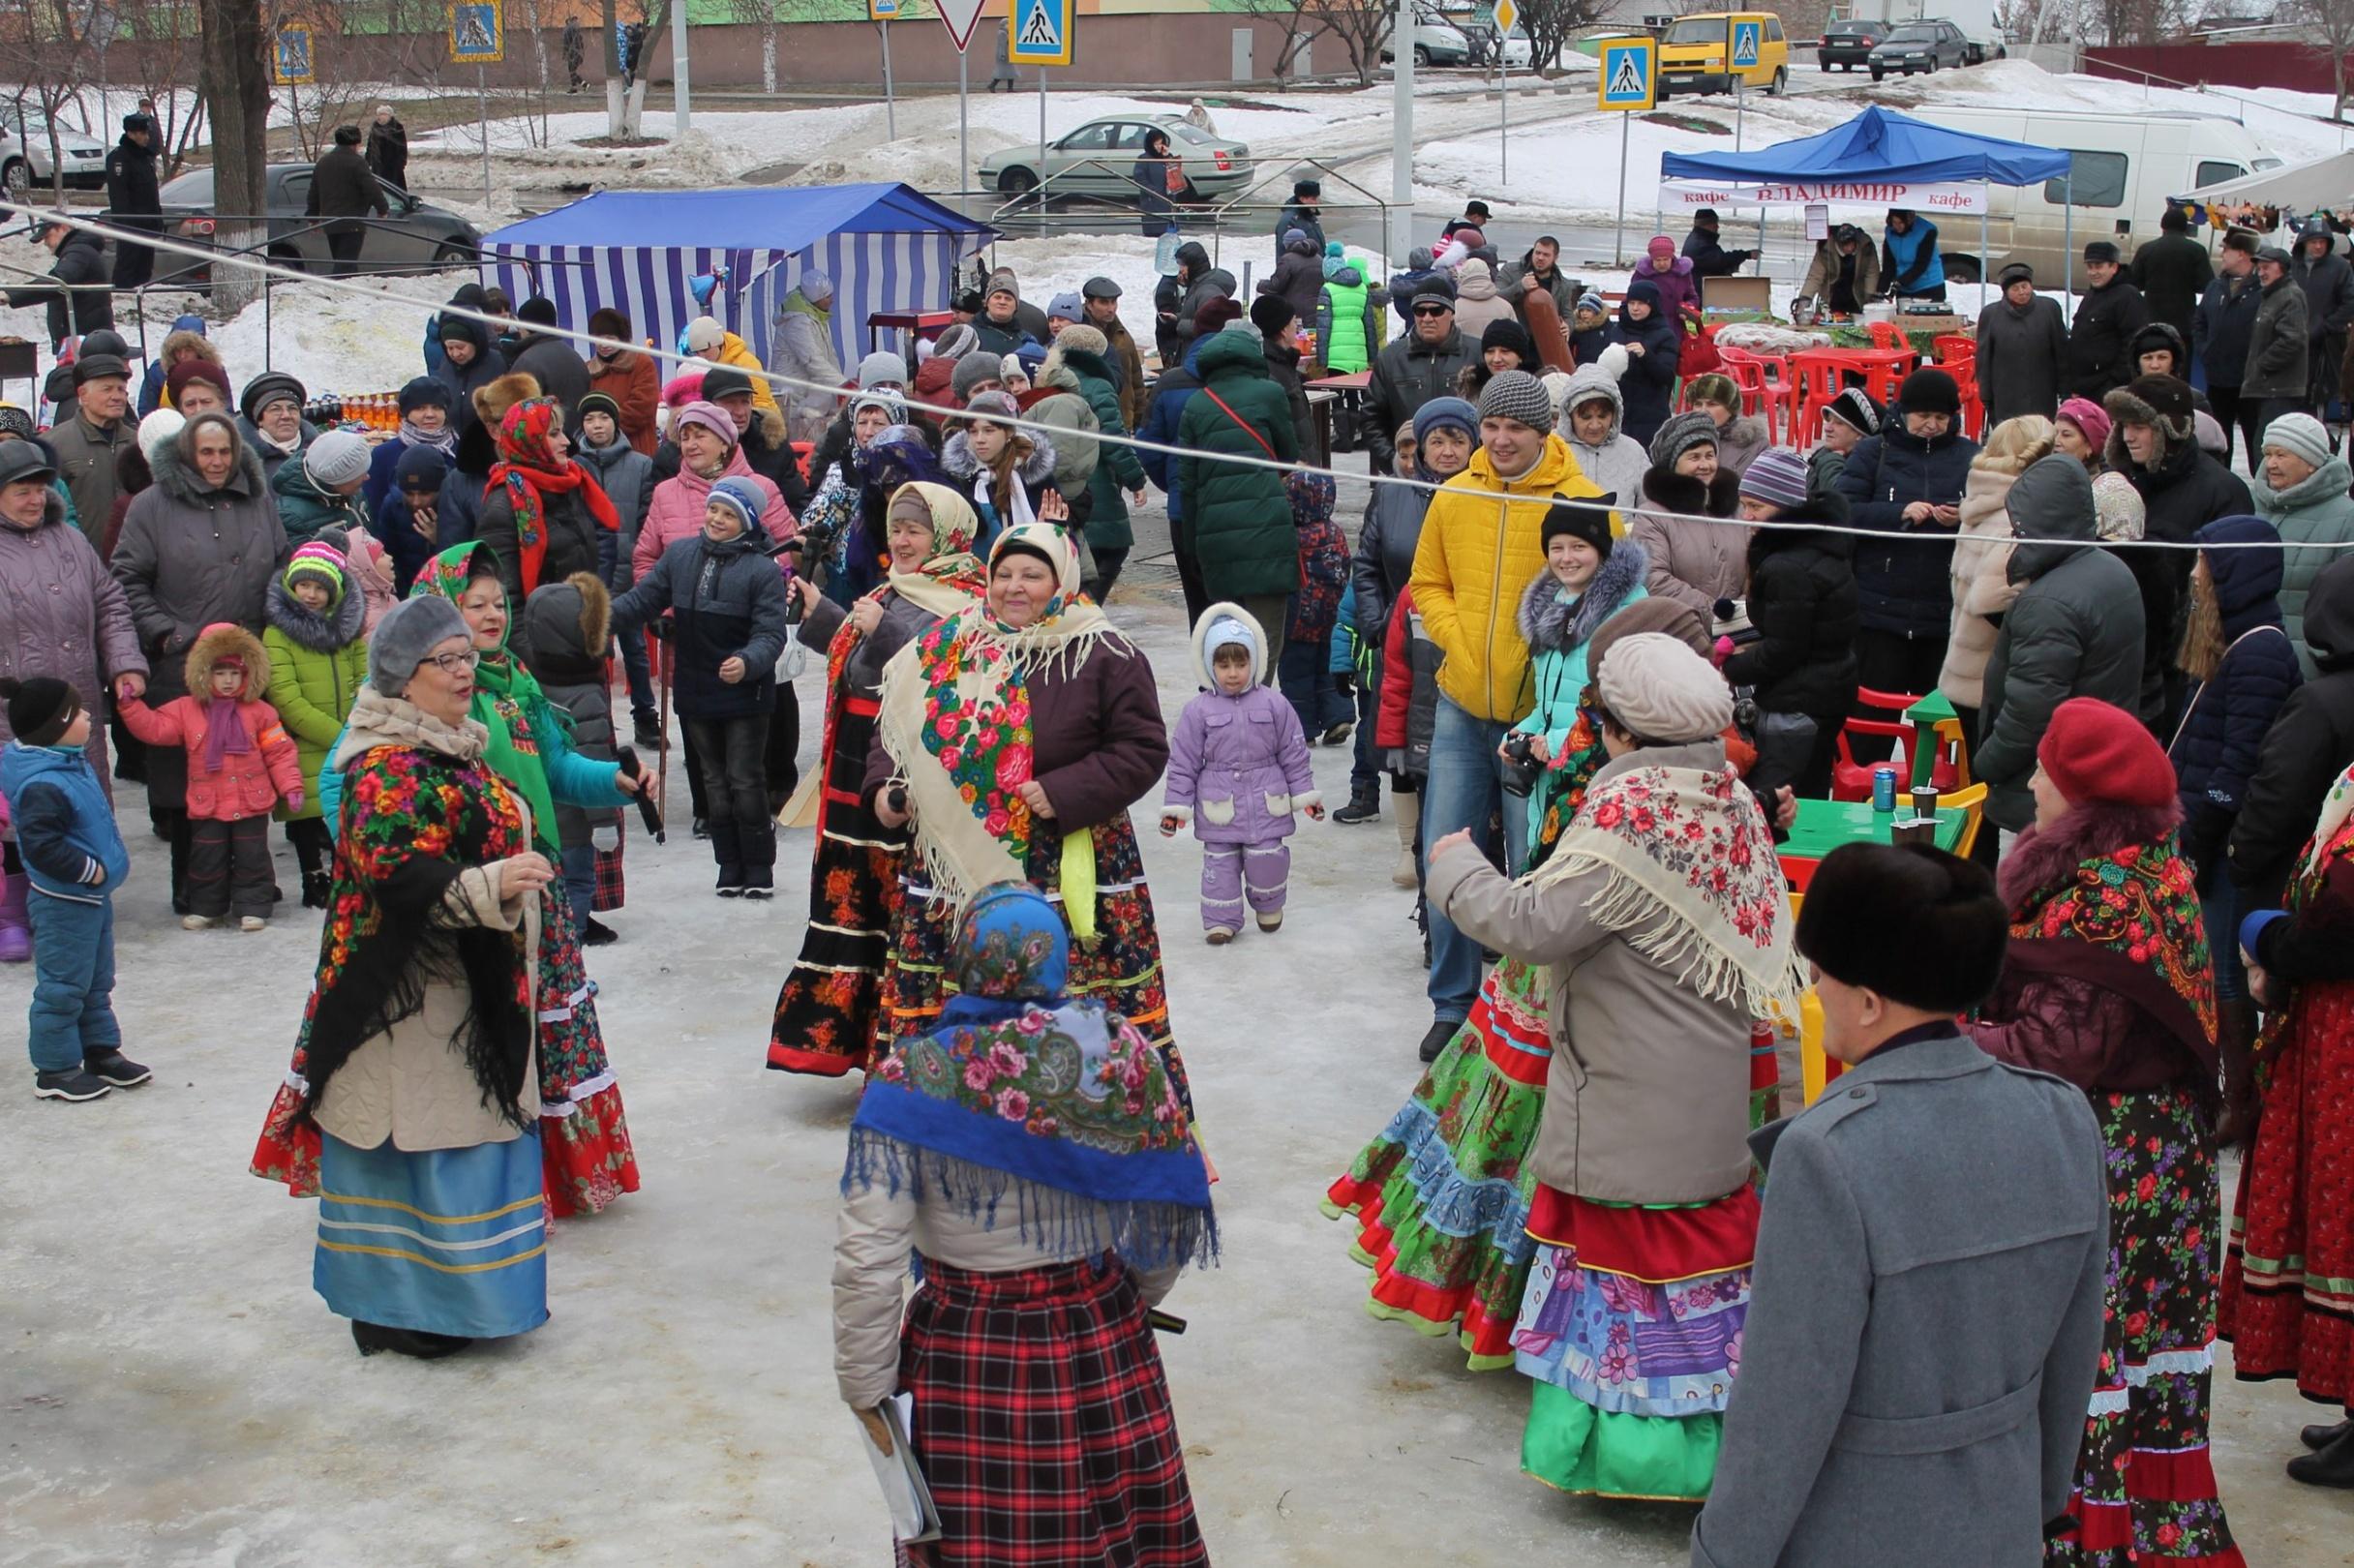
(177, 378)
(2096, 751)
(1680, 435)
(1080, 338)
(2160, 401)
(971, 372)
(607, 322)
(1518, 396)
(40, 709)
(1777, 476)
(1923, 928)
(493, 398)
(420, 392)
(226, 643)
(410, 630)
(2102, 251)
(1215, 312)
(1661, 691)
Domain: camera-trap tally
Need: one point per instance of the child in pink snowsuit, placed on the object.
(1238, 770)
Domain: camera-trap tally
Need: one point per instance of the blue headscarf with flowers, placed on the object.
(1022, 1087)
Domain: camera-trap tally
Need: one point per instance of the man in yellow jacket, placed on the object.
(1480, 545)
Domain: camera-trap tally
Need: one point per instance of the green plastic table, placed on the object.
(1823, 826)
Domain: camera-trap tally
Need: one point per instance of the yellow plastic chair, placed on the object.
(1973, 800)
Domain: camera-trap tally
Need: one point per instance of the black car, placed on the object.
(1849, 44)
(1922, 46)
(412, 237)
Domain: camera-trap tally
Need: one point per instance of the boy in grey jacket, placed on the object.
(1925, 1324)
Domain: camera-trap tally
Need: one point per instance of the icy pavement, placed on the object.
(174, 1393)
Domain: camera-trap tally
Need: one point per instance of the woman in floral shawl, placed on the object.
(1017, 734)
(2288, 1306)
(585, 1135)
(825, 1012)
(1034, 1151)
(1441, 1196)
(1666, 927)
(2107, 983)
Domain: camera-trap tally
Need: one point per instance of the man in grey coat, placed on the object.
(1924, 1326)
(2022, 350)
(2075, 630)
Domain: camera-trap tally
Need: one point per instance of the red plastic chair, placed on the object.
(1953, 346)
(1850, 779)
(1748, 373)
(1884, 334)
(803, 451)
(1965, 374)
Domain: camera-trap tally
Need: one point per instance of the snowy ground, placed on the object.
(175, 1394)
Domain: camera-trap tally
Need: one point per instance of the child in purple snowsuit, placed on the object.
(1238, 770)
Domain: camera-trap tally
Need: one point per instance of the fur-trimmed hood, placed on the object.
(223, 641)
(176, 478)
(1227, 609)
(1550, 626)
(186, 341)
(2124, 409)
(1668, 491)
(958, 460)
(2044, 857)
(338, 627)
(566, 628)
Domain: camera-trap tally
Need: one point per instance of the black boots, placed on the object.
(317, 888)
(2331, 1466)
(727, 847)
(1435, 1042)
(372, 1338)
(1364, 805)
(115, 1068)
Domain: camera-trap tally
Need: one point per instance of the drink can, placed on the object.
(1883, 787)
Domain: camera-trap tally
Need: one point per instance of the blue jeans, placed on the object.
(72, 1013)
(1466, 788)
(578, 862)
(2220, 912)
(640, 670)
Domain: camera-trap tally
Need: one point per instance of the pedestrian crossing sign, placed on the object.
(1745, 44)
(1630, 72)
(477, 33)
(882, 11)
(290, 62)
(1041, 32)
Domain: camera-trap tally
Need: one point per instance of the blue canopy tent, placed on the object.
(887, 248)
(1883, 145)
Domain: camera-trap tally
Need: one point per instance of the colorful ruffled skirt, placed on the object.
(1631, 1334)
(584, 1136)
(1441, 1196)
(2145, 1482)
(827, 1007)
(2288, 1278)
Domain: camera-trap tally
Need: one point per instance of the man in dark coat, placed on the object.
(343, 187)
(2328, 281)
(2220, 330)
(552, 362)
(2279, 349)
(1919, 1351)
(1412, 369)
(2101, 340)
(132, 200)
(1709, 259)
(576, 51)
(2022, 346)
(388, 148)
(2172, 271)
(1300, 213)
(2075, 630)
(1905, 484)
(79, 300)
(2152, 442)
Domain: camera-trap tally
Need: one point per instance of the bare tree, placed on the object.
(162, 64)
(1360, 27)
(334, 94)
(625, 79)
(52, 59)
(763, 13)
(1552, 24)
(234, 76)
(2332, 25)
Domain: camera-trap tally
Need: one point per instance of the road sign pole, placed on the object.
(1504, 115)
(1041, 129)
(682, 116)
(890, 107)
(1740, 107)
(1619, 231)
(964, 138)
(482, 123)
(1402, 110)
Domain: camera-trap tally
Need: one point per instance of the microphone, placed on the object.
(647, 812)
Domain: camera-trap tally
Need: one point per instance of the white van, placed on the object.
(2126, 166)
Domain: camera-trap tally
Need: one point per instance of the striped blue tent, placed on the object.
(887, 248)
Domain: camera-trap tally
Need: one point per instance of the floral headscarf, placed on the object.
(1019, 1083)
(950, 578)
(528, 468)
(507, 701)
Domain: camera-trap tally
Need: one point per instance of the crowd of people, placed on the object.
(1601, 634)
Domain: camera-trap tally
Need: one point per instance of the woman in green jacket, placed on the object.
(1239, 514)
(314, 631)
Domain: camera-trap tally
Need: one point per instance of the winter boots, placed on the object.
(16, 928)
(1364, 805)
(2236, 1040)
(1407, 807)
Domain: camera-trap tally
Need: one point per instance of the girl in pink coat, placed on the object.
(240, 765)
(708, 452)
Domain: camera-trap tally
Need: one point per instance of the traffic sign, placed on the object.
(882, 11)
(477, 32)
(1506, 15)
(1744, 50)
(959, 17)
(1630, 72)
(291, 64)
(1041, 32)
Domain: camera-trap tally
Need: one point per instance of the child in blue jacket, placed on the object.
(75, 859)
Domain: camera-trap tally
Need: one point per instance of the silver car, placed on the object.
(24, 160)
(1095, 160)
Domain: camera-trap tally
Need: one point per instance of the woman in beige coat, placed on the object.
(1982, 588)
(412, 1100)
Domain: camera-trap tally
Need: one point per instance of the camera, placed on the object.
(1520, 767)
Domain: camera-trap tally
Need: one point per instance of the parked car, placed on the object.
(1438, 42)
(1922, 46)
(1848, 44)
(24, 160)
(1692, 54)
(1095, 160)
(415, 236)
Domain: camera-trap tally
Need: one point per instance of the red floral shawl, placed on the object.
(530, 470)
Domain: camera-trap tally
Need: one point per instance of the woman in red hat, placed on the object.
(2107, 983)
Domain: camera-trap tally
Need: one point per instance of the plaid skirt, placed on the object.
(1043, 1421)
(611, 892)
